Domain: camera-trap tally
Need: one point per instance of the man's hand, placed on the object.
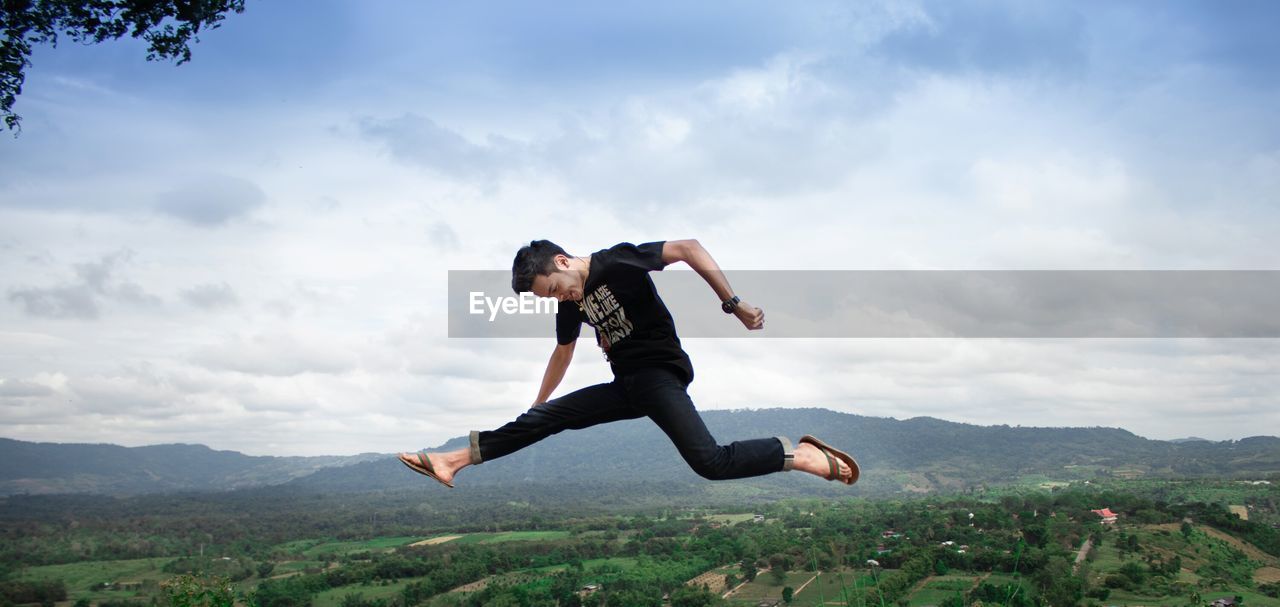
(752, 317)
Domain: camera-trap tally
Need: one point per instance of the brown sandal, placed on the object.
(424, 468)
(834, 454)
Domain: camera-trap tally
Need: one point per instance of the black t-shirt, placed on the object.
(619, 301)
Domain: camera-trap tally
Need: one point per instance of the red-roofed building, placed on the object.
(1108, 517)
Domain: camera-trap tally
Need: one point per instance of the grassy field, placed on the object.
(510, 536)
(931, 596)
(337, 548)
(317, 548)
(729, 519)
(291, 566)
(298, 546)
(81, 577)
(938, 588)
(831, 586)
(1002, 579)
(762, 587)
(313, 549)
(333, 596)
(1250, 598)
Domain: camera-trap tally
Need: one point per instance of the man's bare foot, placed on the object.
(444, 465)
(811, 459)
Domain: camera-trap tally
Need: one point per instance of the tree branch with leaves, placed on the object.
(168, 26)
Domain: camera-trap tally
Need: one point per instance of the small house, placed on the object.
(1108, 517)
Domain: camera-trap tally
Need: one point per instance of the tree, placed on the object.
(686, 596)
(265, 568)
(1058, 587)
(778, 575)
(198, 591)
(168, 26)
(788, 593)
(955, 600)
(748, 570)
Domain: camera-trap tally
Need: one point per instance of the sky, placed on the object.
(250, 251)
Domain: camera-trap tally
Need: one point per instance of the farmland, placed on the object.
(1006, 548)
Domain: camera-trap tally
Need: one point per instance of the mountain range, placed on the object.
(915, 455)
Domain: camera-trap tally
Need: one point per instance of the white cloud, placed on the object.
(211, 200)
(210, 296)
(276, 354)
(84, 296)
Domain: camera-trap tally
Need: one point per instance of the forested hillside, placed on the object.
(908, 456)
(27, 467)
(898, 456)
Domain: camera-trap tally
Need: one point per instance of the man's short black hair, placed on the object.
(536, 259)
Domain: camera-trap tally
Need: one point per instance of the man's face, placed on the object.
(560, 284)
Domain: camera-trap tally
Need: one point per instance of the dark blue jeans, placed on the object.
(656, 392)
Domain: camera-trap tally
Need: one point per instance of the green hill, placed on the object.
(912, 456)
(39, 468)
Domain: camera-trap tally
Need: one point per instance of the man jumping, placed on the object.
(611, 290)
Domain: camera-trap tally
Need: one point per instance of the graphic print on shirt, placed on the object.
(607, 316)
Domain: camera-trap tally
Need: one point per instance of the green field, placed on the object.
(313, 549)
(729, 519)
(1250, 598)
(931, 596)
(938, 588)
(333, 597)
(81, 577)
(762, 587)
(295, 566)
(510, 536)
(1002, 579)
(337, 548)
(832, 586)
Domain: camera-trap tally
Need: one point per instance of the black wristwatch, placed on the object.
(729, 305)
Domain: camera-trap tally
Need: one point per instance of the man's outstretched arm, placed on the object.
(559, 363)
(691, 252)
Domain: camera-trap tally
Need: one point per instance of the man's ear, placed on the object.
(562, 261)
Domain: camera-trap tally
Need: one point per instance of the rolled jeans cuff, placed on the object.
(788, 454)
(475, 448)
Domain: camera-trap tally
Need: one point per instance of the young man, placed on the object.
(611, 290)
